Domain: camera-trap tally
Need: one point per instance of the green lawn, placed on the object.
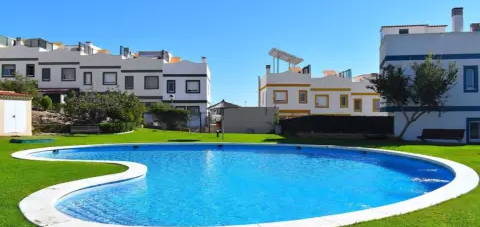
(19, 178)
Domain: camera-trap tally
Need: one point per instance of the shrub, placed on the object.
(112, 106)
(115, 127)
(23, 84)
(20, 84)
(174, 119)
(57, 107)
(46, 103)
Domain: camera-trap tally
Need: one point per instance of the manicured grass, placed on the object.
(19, 178)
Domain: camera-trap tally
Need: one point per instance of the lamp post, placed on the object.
(223, 122)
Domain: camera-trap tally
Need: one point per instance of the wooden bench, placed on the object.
(445, 134)
(84, 129)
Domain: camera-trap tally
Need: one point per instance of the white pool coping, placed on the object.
(39, 207)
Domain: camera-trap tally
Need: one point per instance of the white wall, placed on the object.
(433, 120)
(249, 120)
(445, 43)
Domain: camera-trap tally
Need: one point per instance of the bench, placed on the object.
(445, 134)
(84, 129)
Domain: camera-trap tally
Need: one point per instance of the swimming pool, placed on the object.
(232, 184)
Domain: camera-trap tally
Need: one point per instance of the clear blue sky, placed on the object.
(234, 35)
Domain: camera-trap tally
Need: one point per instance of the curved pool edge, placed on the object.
(39, 207)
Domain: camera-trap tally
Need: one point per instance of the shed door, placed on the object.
(15, 116)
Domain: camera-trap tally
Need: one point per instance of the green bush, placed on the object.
(46, 103)
(115, 127)
(111, 106)
(57, 107)
(174, 119)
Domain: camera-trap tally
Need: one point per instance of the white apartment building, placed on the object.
(153, 76)
(296, 93)
(404, 45)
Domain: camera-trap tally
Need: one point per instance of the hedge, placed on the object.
(115, 127)
(338, 124)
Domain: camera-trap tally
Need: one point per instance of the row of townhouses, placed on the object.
(153, 76)
(296, 92)
(403, 45)
(158, 76)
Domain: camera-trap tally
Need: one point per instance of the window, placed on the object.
(110, 78)
(170, 86)
(322, 101)
(46, 74)
(343, 101)
(87, 78)
(151, 82)
(470, 78)
(30, 70)
(302, 97)
(68, 74)
(403, 31)
(192, 86)
(129, 82)
(280, 97)
(8, 70)
(376, 105)
(357, 105)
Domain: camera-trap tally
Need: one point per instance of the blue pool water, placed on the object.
(204, 185)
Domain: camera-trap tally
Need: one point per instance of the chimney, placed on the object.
(18, 41)
(475, 27)
(80, 47)
(204, 59)
(457, 19)
(267, 69)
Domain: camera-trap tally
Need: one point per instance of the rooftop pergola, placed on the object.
(284, 56)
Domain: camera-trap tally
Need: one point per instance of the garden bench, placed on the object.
(84, 129)
(446, 134)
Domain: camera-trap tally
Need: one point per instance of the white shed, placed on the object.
(15, 114)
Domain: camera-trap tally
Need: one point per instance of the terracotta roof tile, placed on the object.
(12, 93)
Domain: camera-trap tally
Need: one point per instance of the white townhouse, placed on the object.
(404, 45)
(296, 93)
(153, 76)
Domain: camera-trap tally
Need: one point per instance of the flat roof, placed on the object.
(414, 25)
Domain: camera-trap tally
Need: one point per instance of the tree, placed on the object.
(46, 103)
(415, 96)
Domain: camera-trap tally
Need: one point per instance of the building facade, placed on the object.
(296, 93)
(153, 76)
(404, 45)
